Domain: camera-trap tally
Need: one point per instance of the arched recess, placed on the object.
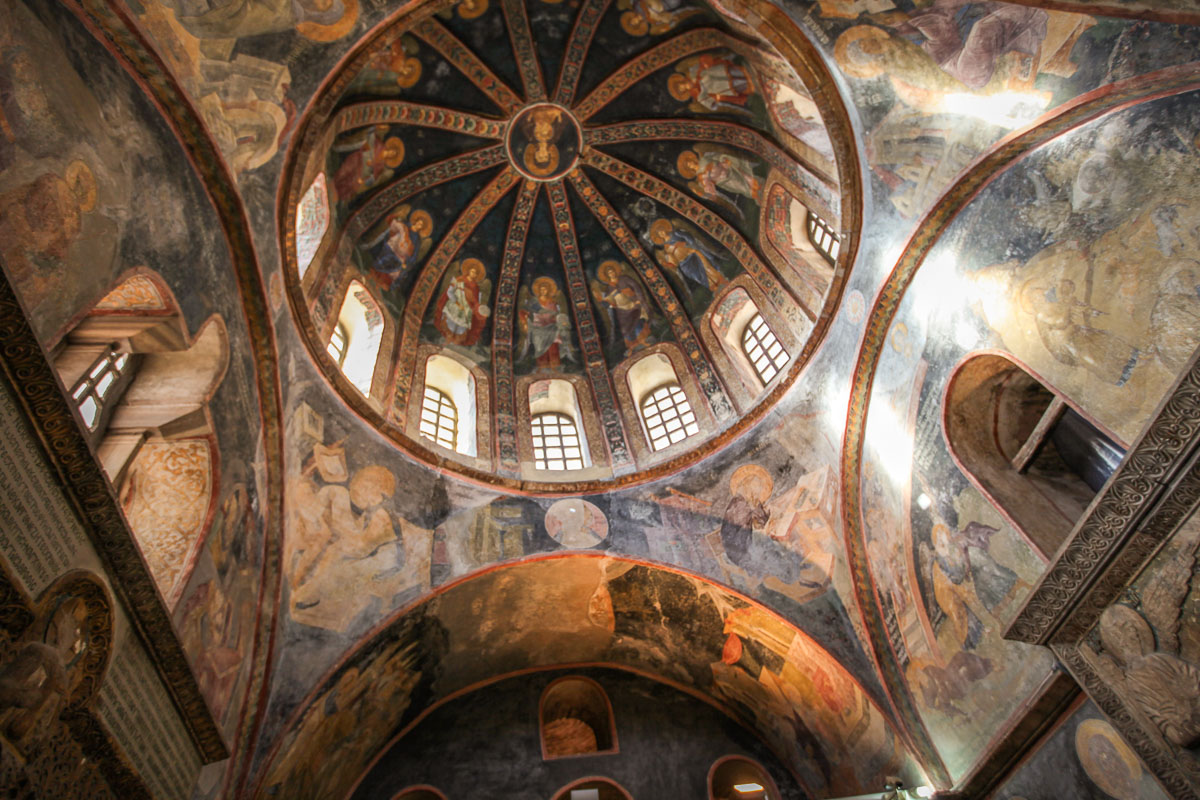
(420, 793)
(593, 788)
(740, 778)
(1027, 447)
(868, 402)
(694, 635)
(152, 431)
(575, 718)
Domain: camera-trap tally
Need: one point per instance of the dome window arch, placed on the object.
(360, 322)
(559, 442)
(823, 237)
(312, 220)
(764, 350)
(740, 778)
(422, 792)
(102, 385)
(666, 413)
(448, 411)
(576, 719)
(594, 788)
(1036, 457)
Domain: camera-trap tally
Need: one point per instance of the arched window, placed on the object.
(439, 418)
(823, 237)
(558, 440)
(102, 384)
(737, 778)
(312, 220)
(668, 416)
(576, 719)
(764, 350)
(360, 323)
(448, 408)
(593, 789)
(1037, 458)
(420, 793)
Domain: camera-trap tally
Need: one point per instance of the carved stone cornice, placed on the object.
(1151, 494)
(1141, 735)
(85, 487)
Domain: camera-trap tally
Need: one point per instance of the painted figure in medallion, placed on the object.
(712, 82)
(462, 306)
(719, 174)
(654, 17)
(543, 127)
(619, 291)
(372, 159)
(401, 245)
(681, 252)
(545, 324)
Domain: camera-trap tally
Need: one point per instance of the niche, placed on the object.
(576, 719)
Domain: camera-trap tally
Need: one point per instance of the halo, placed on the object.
(680, 87)
(1108, 773)
(542, 281)
(471, 263)
(333, 31)
(410, 72)
(394, 143)
(607, 265)
(842, 51)
(747, 473)
(693, 164)
(661, 226)
(470, 9)
(421, 219)
(634, 23)
(532, 165)
(83, 184)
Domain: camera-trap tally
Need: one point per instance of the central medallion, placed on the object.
(544, 141)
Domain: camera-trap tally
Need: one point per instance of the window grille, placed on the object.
(763, 349)
(668, 416)
(93, 388)
(439, 418)
(556, 443)
(337, 344)
(823, 237)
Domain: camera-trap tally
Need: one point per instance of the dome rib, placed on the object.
(440, 38)
(523, 51)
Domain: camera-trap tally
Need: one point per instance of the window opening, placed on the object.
(823, 237)
(93, 388)
(312, 220)
(668, 416)
(337, 344)
(763, 348)
(439, 418)
(556, 443)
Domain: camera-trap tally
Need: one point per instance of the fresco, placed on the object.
(1084, 285)
(606, 610)
(1083, 757)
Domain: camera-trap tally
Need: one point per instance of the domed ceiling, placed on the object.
(562, 190)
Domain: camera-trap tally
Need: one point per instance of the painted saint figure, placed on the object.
(654, 16)
(626, 303)
(542, 126)
(545, 324)
(712, 82)
(372, 160)
(404, 242)
(683, 254)
(720, 175)
(462, 306)
(39, 221)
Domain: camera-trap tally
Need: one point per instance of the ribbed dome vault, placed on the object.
(521, 208)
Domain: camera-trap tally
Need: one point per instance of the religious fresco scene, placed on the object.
(629, 396)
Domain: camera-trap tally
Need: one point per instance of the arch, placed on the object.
(593, 788)
(362, 322)
(823, 237)
(422, 792)
(575, 718)
(735, 778)
(1025, 446)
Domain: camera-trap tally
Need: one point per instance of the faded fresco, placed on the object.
(1085, 286)
(1085, 758)
(89, 190)
(749, 660)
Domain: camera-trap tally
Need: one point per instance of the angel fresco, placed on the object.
(654, 17)
(717, 173)
(712, 82)
(40, 220)
(321, 20)
(401, 245)
(462, 308)
(681, 252)
(393, 65)
(620, 293)
(545, 324)
(372, 159)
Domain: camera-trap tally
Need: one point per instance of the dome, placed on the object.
(557, 250)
